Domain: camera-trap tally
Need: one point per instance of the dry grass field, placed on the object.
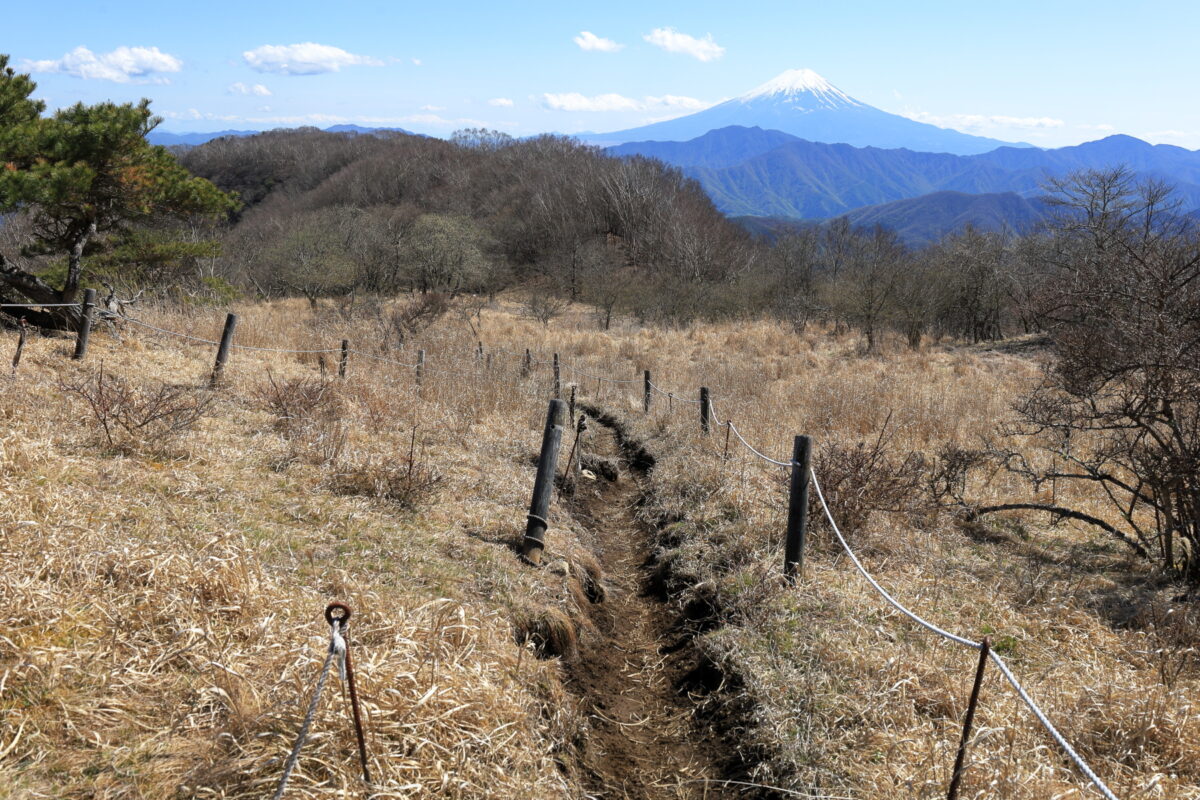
(164, 578)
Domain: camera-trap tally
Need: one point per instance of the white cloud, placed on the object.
(417, 62)
(433, 108)
(574, 101)
(673, 41)
(257, 89)
(980, 122)
(676, 101)
(123, 65)
(308, 58)
(501, 102)
(590, 41)
(196, 114)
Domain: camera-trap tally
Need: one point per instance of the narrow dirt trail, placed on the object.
(633, 671)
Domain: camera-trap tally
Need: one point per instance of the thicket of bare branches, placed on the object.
(1120, 407)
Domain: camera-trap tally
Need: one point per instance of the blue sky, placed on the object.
(1051, 73)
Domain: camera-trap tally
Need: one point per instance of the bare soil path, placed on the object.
(634, 672)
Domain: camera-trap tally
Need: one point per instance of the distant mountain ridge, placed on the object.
(782, 176)
(802, 103)
(927, 218)
(169, 139)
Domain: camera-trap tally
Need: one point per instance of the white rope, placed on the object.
(1033, 707)
(167, 332)
(39, 305)
(754, 450)
(883, 592)
(578, 371)
(337, 648)
(282, 349)
(381, 358)
(1058, 737)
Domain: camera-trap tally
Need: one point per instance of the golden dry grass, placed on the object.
(162, 604)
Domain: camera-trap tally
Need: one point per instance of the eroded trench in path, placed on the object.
(638, 677)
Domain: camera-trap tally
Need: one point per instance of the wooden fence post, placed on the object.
(420, 365)
(345, 358)
(223, 348)
(557, 380)
(704, 409)
(479, 352)
(984, 648)
(571, 405)
(797, 521)
(543, 485)
(527, 365)
(646, 391)
(85, 324)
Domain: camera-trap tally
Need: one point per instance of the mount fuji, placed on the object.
(804, 104)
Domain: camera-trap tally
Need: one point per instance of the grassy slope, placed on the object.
(162, 602)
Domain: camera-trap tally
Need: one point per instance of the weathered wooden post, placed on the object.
(527, 365)
(479, 352)
(557, 380)
(646, 391)
(571, 405)
(488, 363)
(704, 406)
(956, 777)
(23, 330)
(345, 358)
(223, 348)
(797, 521)
(543, 485)
(85, 324)
(420, 365)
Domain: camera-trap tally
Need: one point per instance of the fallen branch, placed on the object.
(1066, 513)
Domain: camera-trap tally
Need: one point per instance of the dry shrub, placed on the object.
(294, 401)
(139, 415)
(309, 412)
(414, 316)
(409, 483)
(863, 478)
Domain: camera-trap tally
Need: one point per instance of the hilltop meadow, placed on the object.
(164, 588)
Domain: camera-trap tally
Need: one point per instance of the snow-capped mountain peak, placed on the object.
(801, 86)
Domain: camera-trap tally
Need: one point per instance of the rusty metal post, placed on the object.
(223, 348)
(797, 521)
(571, 404)
(345, 358)
(984, 649)
(543, 485)
(85, 324)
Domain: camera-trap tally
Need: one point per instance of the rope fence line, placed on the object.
(39, 305)
(1036, 710)
(945, 634)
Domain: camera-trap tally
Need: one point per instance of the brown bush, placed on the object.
(294, 400)
(866, 477)
(133, 416)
